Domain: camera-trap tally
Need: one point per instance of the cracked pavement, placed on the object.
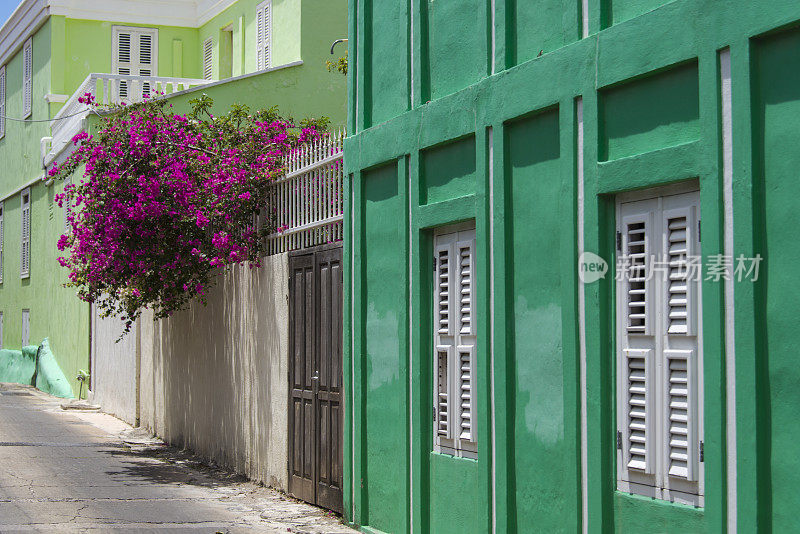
(69, 471)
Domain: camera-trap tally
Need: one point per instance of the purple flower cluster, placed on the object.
(166, 199)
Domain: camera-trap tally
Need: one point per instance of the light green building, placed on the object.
(260, 53)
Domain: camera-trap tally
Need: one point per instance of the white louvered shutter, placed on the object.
(681, 436)
(27, 79)
(638, 416)
(264, 35)
(208, 59)
(637, 249)
(659, 363)
(2, 101)
(25, 238)
(2, 240)
(135, 54)
(637, 367)
(454, 344)
(681, 341)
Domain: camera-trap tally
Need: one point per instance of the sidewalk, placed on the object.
(70, 471)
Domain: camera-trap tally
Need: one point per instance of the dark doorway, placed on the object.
(315, 377)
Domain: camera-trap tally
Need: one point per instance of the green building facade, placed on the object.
(490, 388)
(215, 44)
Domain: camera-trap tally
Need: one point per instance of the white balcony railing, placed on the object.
(108, 89)
(306, 206)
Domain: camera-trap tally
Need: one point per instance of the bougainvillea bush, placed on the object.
(166, 200)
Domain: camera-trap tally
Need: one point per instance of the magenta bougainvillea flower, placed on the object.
(166, 199)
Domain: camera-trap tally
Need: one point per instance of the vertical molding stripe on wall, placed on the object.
(490, 166)
(582, 314)
(584, 19)
(730, 358)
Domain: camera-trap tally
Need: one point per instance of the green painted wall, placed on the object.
(54, 310)
(240, 19)
(776, 99)
(648, 76)
(82, 55)
(19, 149)
(385, 366)
(305, 90)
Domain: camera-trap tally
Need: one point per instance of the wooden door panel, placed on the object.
(301, 416)
(329, 396)
(315, 335)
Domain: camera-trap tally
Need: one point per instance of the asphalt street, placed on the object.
(68, 471)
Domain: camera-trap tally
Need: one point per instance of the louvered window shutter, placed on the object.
(264, 35)
(680, 324)
(659, 370)
(638, 432)
(135, 54)
(27, 79)
(681, 437)
(2, 240)
(2, 101)
(25, 241)
(636, 243)
(208, 56)
(455, 342)
(145, 60)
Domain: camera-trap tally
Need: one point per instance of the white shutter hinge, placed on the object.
(619, 440)
(702, 453)
(619, 241)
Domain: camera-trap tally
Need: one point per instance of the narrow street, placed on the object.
(69, 471)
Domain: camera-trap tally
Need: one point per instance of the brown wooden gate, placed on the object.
(315, 377)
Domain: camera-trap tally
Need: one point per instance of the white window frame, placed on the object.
(25, 233)
(2, 101)
(123, 89)
(27, 79)
(1, 330)
(659, 476)
(264, 35)
(455, 337)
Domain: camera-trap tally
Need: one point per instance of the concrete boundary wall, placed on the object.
(212, 379)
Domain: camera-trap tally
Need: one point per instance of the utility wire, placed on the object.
(47, 120)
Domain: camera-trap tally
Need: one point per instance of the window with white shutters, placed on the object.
(25, 237)
(659, 354)
(27, 79)
(2, 101)
(208, 59)
(135, 54)
(454, 391)
(264, 35)
(2, 240)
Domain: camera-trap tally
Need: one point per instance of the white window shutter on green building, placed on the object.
(25, 237)
(27, 79)
(454, 344)
(659, 354)
(264, 35)
(135, 54)
(2, 101)
(208, 59)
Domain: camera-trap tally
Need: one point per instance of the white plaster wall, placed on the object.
(214, 378)
(114, 367)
